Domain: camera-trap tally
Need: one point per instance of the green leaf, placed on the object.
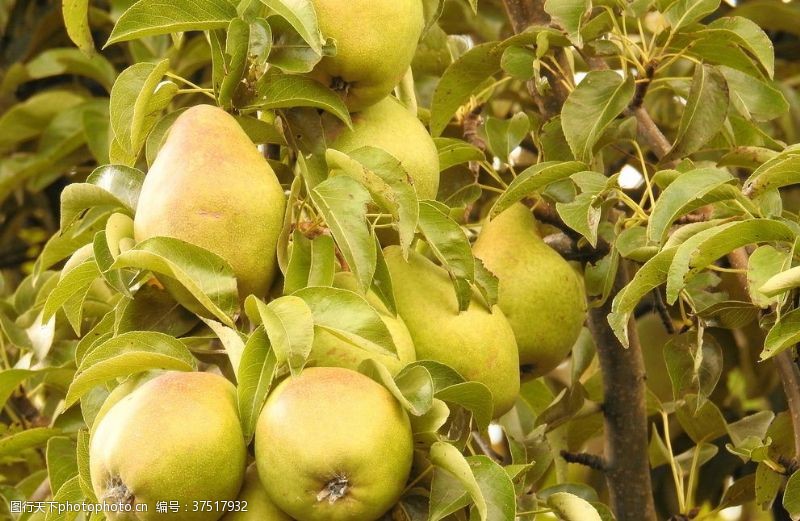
(707, 246)
(289, 52)
(10, 379)
(692, 368)
(343, 202)
(276, 91)
(289, 324)
(473, 396)
(748, 35)
(62, 463)
(704, 114)
(783, 335)
(132, 113)
(591, 107)
(650, 276)
(685, 12)
(764, 263)
(496, 487)
(412, 387)
(127, 354)
(311, 263)
(702, 423)
(582, 214)
(69, 493)
(454, 152)
(451, 246)
(791, 495)
(151, 17)
(348, 316)
(779, 171)
(386, 180)
(459, 81)
(768, 484)
(688, 192)
(534, 179)
(236, 54)
(111, 187)
(76, 21)
(570, 507)
(302, 17)
(205, 275)
(568, 14)
(447, 458)
(83, 465)
(58, 61)
(504, 135)
(753, 98)
(76, 281)
(13, 444)
(28, 119)
(256, 375)
(232, 340)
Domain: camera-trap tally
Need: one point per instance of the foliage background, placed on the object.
(500, 112)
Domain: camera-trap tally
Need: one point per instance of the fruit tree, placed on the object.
(399, 260)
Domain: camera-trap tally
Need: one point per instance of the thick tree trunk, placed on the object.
(627, 465)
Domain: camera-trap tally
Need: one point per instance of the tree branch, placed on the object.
(790, 378)
(582, 458)
(627, 464)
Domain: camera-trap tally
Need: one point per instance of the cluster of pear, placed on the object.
(177, 436)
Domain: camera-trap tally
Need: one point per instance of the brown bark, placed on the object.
(790, 378)
(627, 464)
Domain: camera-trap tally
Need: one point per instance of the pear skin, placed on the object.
(333, 445)
(211, 187)
(259, 506)
(540, 293)
(477, 343)
(390, 126)
(176, 437)
(331, 351)
(375, 42)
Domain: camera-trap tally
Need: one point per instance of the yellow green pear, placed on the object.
(210, 186)
(540, 293)
(256, 504)
(177, 437)
(390, 126)
(331, 351)
(477, 343)
(375, 42)
(333, 445)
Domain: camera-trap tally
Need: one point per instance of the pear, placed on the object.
(375, 42)
(211, 187)
(478, 343)
(254, 502)
(540, 293)
(390, 126)
(176, 437)
(331, 351)
(333, 445)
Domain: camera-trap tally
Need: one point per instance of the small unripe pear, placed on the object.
(254, 500)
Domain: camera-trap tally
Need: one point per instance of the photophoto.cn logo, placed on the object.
(32, 507)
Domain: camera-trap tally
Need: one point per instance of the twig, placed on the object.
(582, 458)
(790, 378)
(662, 311)
(486, 448)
